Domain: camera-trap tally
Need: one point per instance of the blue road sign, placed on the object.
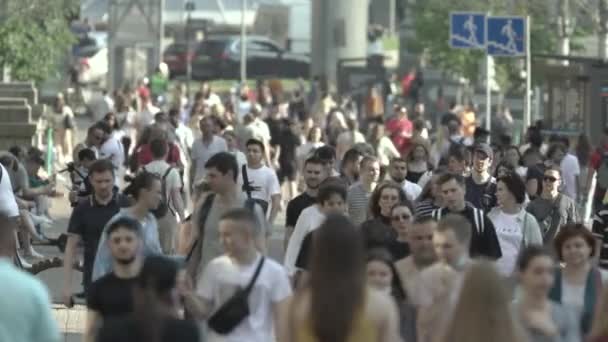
(467, 30)
(506, 36)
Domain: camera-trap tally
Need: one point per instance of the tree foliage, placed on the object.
(431, 25)
(34, 36)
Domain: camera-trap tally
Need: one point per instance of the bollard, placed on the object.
(49, 151)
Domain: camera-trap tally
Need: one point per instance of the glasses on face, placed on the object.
(550, 179)
(402, 217)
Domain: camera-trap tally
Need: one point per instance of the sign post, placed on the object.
(507, 36)
(468, 31)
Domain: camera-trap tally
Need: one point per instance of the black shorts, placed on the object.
(287, 171)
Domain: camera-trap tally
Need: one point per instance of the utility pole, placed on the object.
(190, 7)
(243, 43)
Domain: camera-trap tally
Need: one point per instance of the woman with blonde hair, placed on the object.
(483, 309)
(599, 330)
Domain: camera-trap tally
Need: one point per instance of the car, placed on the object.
(219, 58)
(90, 57)
(176, 57)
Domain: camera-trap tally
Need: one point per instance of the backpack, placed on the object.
(249, 204)
(163, 206)
(602, 171)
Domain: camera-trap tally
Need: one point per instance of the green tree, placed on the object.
(34, 36)
(432, 36)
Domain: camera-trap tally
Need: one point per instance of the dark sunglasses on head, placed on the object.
(403, 217)
(550, 179)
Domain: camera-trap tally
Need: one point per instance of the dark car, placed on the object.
(176, 57)
(219, 58)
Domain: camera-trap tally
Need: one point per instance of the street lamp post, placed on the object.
(190, 7)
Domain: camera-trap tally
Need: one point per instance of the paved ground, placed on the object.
(72, 321)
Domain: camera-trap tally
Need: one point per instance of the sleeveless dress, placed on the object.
(363, 330)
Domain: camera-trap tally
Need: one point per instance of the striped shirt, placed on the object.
(600, 230)
(357, 200)
(425, 208)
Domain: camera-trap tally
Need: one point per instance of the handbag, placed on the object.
(234, 310)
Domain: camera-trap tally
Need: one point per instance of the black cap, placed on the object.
(485, 148)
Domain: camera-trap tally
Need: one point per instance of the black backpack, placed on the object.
(163, 206)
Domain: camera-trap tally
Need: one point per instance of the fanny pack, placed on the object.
(235, 309)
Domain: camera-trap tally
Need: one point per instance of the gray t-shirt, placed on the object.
(553, 214)
(211, 246)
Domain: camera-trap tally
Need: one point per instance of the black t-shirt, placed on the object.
(111, 296)
(88, 220)
(305, 252)
(275, 126)
(378, 233)
(289, 142)
(482, 196)
(126, 329)
(414, 177)
(484, 241)
(295, 207)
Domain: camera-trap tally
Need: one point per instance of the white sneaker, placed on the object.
(33, 254)
(24, 263)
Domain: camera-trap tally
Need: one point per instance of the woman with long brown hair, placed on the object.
(336, 305)
(378, 231)
(483, 299)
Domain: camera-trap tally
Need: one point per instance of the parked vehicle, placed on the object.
(90, 58)
(176, 57)
(218, 57)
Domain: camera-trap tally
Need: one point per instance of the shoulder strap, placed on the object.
(246, 185)
(205, 208)
(255, 276)
(167, 173)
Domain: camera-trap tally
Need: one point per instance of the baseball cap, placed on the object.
(485, 148)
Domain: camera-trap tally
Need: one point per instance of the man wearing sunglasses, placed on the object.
(552, 209)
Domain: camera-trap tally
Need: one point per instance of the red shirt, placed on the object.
(144, 155)
(596, 157)
(400, 131)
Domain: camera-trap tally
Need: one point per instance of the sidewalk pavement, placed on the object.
(71, 321)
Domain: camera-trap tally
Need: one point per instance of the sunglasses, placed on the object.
(403, 217)
(550, 179)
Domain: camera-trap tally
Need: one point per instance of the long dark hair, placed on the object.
(382, 255)
(155, 283)
(337, 279)
(374, 202)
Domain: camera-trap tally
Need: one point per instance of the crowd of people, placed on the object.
(399, 225)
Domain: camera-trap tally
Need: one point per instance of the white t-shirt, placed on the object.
(201, 153)
(310, 219)
(112, 149)
(570, 170)
(266, 181)
(220, 280)
(8, 204)
(510, 236)
(146, 116)
(412, 190)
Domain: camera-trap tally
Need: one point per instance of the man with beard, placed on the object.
(111, 295)
(313, 176)
(398, 172)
